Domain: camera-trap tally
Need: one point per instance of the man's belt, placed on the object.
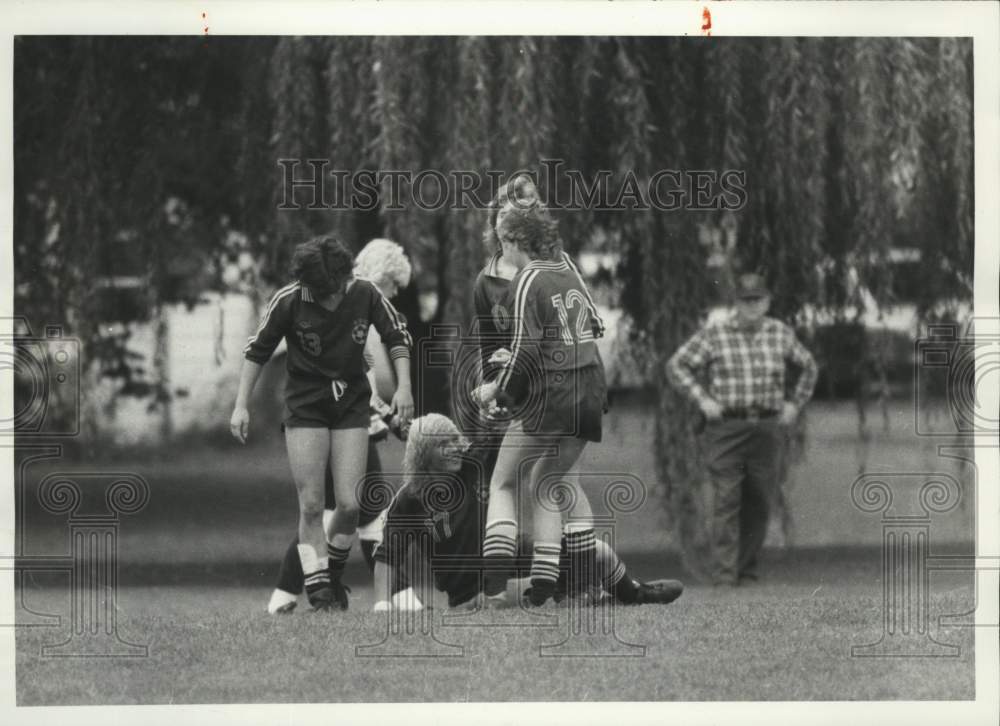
(749, 414)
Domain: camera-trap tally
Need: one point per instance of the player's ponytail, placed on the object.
(519, 192)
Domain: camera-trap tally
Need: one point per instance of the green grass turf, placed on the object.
(197, 563)
(765, 642)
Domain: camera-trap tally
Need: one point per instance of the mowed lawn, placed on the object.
(197, 563)
(767, 642)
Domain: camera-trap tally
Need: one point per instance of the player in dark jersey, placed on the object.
(383, 263)
(553, 381)
(324, 317)
(437, 519)
(494, 325)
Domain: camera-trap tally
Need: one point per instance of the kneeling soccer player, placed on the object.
(442, 504)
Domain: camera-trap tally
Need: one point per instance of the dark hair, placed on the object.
(520, 192)
(533, 230)
(323, 264)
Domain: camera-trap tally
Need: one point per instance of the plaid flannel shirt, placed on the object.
(743, 368)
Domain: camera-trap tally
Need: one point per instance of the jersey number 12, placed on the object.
(574, 301)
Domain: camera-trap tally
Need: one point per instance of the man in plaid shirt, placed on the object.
(741, 364)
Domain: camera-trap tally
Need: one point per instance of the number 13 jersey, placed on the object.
(325, 345)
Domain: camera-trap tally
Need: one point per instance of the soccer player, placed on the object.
(441, 505)
(383, 263)
(494, 325)
(324, 317)
(553, 359)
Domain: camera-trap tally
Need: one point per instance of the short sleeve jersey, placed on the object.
(555, 323)
(494, 311)
(325, 345)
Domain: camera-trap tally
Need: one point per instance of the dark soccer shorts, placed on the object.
(570, 404)
(315, 407)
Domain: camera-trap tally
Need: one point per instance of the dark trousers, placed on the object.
(743, 459)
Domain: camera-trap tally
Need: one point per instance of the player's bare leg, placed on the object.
(500, 541)
(549, 483)
(348, 462)
(308, 451)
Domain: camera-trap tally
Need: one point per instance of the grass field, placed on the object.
(197, 563)
(779, 641)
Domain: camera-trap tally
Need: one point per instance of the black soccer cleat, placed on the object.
(658, 592)
(538, 593)
(319, 589)
(321, 598)
(339, 595)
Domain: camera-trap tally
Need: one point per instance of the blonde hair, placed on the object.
(382, 260)
(426, 432)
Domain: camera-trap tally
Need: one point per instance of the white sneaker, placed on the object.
(406, 600)
(281, 602)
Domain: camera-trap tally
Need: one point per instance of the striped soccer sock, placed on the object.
(544, 571)
(616, 578)
(290, 576)
(499, 546)
(581, 547)
(338, 549)
(316, 572)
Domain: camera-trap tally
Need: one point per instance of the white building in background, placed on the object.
(204, 355)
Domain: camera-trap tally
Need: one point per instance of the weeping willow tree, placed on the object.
(825, 129)
(124, 187)
(850, 147)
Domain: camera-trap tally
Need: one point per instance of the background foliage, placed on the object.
(156, 158)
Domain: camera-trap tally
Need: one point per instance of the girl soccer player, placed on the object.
(440, 533)
(384, 263)
(553, 360)
(324, 317)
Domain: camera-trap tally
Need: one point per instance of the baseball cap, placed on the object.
(750, 286)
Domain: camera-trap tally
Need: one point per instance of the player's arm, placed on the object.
(273, 327)
(239, 422)
(515, 377)
(399, 530)
(392, 327)
(486, 332)
(389, 558)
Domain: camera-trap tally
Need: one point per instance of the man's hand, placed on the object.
(712, 410)
(239, 424)
(789, 412)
